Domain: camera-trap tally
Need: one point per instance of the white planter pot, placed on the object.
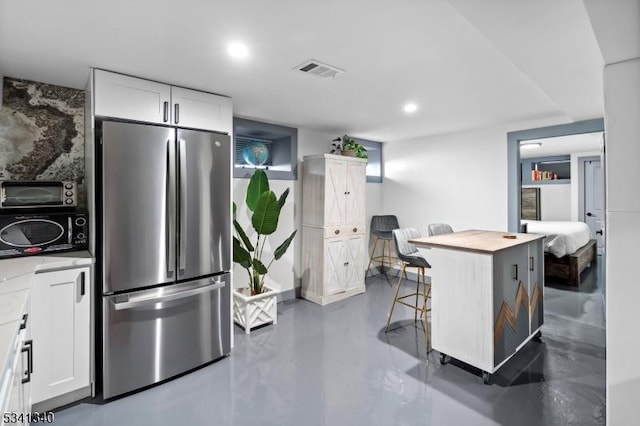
(252, 311)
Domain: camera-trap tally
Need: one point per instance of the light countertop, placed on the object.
(15, 283)
(476, 240)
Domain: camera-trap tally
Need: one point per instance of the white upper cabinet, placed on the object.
(131, 98)
(200, 110)
(121, 96)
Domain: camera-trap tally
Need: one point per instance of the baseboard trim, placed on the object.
(394, 273)
(290, 294)
(62, 400)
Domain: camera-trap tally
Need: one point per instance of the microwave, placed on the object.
(37, 194)
(28, 234)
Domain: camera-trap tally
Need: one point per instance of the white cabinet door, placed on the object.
(335, 192)
(355, 198)
(60, 326)
(536, 285)
(354, 252)
(201, 110)
(334, 266)
(121, 96)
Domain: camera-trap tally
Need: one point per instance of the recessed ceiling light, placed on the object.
(238, 50)
(530, 145)
(410, 107)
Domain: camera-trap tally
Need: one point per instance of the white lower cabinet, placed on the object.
(333, 266)
(18, 392)
(61, 326)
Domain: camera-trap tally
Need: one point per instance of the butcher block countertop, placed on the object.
(476, 240)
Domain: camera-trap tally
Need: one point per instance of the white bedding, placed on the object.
(562, 237)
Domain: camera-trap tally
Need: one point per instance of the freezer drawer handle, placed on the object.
(194, 291)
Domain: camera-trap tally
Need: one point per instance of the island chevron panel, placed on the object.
(41, 132)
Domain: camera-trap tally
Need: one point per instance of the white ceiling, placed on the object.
(563, 145)
(465, 63)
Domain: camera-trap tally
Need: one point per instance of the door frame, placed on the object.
(514, 177)
(583, 190)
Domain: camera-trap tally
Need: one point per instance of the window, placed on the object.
(374, 165)
(271, 147)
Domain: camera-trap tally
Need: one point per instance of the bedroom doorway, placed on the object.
(593, 178)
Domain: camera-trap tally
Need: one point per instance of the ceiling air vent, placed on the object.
(318, 69)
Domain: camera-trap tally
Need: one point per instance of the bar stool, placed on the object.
(381, 227)
(411, 258)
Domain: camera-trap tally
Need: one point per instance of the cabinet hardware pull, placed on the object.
(355, 229)
(165, 116)
(82, 278)
(28, 348)
(346, 263)
(23, 324)
(337, 231)
(348, 192)
(345, 192)
(176, 114)
(515, 272)
(531, 263)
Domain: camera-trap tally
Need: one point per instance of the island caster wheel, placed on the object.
(443, 359)
(486, 377)
(538, 337)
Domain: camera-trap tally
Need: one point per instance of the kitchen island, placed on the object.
(487, 294)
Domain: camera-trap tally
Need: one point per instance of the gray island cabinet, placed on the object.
(487, 295)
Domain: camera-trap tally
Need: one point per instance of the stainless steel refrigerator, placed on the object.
(164, 251)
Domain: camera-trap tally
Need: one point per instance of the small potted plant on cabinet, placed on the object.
(256, 304)
(351, 148)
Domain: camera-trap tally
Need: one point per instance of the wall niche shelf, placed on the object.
(281, 143)
(546, 170)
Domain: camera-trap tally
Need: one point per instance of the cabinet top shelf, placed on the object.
(333, 156)
(476, 240)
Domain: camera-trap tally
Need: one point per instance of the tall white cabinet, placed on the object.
(333, 227)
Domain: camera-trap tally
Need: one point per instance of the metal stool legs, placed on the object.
(383, 259)
(426, 294)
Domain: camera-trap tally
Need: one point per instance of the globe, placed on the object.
(255, 153)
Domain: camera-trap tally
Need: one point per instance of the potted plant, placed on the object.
(351, 148)
(256, 304)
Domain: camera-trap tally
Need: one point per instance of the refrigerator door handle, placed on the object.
(215, 285)
(182, 179)
(170, 238)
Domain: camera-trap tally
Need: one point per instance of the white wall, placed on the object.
(285, 273)
(459, 179)
(555, 201)
(622, 110)
(617, 29)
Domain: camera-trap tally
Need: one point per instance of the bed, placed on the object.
(568, 248)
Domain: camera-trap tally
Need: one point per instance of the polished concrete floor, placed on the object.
(335, 365)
